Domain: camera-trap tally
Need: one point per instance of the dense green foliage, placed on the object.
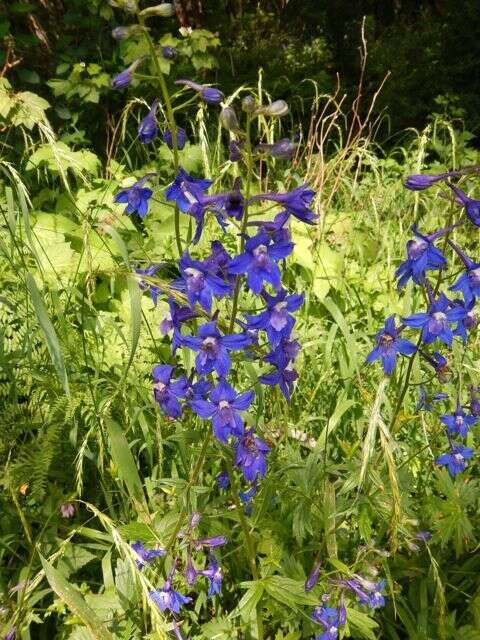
(350, 480)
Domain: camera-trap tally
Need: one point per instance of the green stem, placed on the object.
(248, 543)
(192, 481)
(173, 130)
(243, 229)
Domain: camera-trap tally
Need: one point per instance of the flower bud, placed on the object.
(248, 104)
(164, 10)
(228, 119)
(276, 109)
(122, 33)
(130, 6)
(169, 53)
(67, 510)
(195, 519)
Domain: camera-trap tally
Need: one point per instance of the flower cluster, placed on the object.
(366, 591)
(204, 301)
(444, 319)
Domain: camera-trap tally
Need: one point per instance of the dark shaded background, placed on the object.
(431, 47)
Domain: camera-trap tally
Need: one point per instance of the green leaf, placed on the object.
(46, 325)
(362, 623)
(249, 600)
(75, 602)
(287, 591)
(127, 469)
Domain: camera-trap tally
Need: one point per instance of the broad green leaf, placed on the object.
(47, 327)
(127, 469)
(75, 602)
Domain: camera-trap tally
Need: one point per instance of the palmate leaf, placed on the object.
(75, 602)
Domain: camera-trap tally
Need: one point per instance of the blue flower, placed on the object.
(136, 197)
(284, 376)
(474, 401)
(200, 285)
(422, 256)
(259, 261)
(214, 575)
(250, 454)
(455, 459)
(368, 592)
(166, 392)
(213, 348)
(146, 556)
(190, 572)
(148, 129)
(284, 149)
(149, 271)
(312, 579)
(472, 207)
(169, 53)
(276, 321)
(296, 202)
(208, 94)
(223, 407)
(181, 138)
(179, 190)
(234, 154)
(125, 77)
(427, 403)
(439, 363)
(247, 496)
(277, 229)
(458, 423)
(435, 323)
(389, 345)
(167, 598)
(468, 322)
(218, 261)
(421, 181)
(211, 543)
(469, 282)
(173, 320)
(331, 619)
(222, 480)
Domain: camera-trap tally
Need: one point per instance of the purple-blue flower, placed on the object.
(284, 149)
(389, 345)
(312, 579)
(234, 154)
(149, 271)
(284, 376)
(211, 543)
(199, 284)
(435, 323)
(422, 256)
(458, 423)
(146, 556)
(276, 320)
(222, 407)
(472, 207)
(214, 574)
(213, 348)
(250, 454)
(166, 392)
(125, 77)
(181, 138)
(259, 261)
(469, 282)
(425, 402)
(222, 480)
(208, 94)
(422, 181)
(179, 190)
(148, 129)
(136, 197)
(455, 459)
(296, 202)
(169, 53)
(468, 322)
(439, 363)
(368, 592)
(173, 320)
(167, 598)
(331, 619)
